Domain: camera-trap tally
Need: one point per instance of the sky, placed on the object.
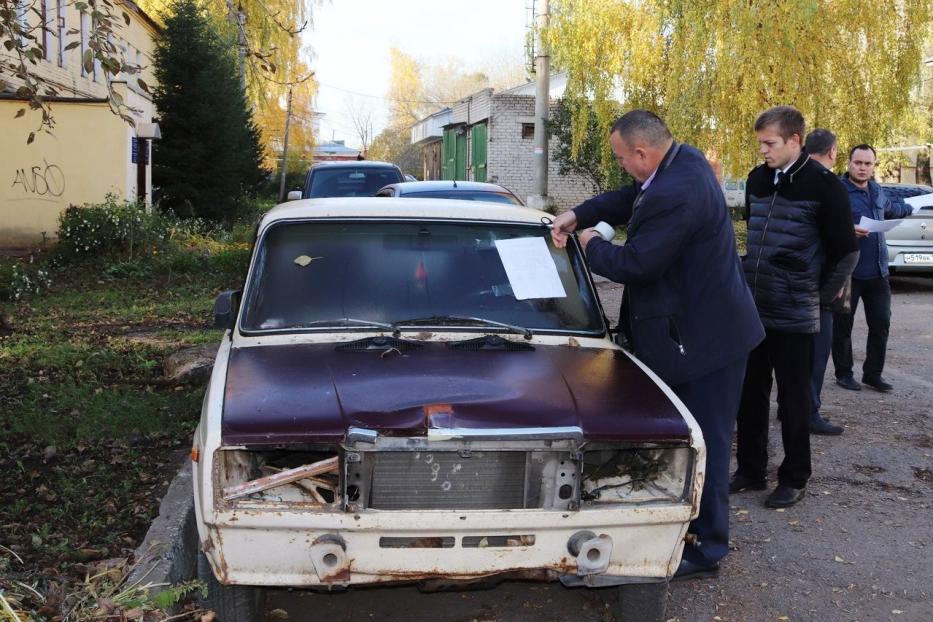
(350, 40)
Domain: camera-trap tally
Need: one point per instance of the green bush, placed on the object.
(19, 280)
(114, 228)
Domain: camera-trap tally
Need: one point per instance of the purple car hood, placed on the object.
(312, 392)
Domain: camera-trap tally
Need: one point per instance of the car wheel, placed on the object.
(231, 603)
(642, 602)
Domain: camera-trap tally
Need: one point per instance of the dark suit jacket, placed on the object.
(687, 308)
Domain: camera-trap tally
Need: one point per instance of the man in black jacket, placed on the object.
(686, 309)
(821, 146)
(801, 250)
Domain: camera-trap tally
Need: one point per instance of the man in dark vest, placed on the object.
(686, 309)
(801, 250)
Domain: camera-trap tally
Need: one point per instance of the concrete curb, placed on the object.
(168, 554)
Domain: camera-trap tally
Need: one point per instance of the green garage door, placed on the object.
(478, 160)
(449, 164)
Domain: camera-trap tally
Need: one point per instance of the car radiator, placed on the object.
(406, 480)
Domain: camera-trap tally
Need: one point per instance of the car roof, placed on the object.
(907, 190)
(382, 207)
(428, 186)
(354, 164)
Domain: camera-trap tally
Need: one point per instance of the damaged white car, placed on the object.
(426, 391)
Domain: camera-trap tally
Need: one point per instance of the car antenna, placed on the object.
(455, 183)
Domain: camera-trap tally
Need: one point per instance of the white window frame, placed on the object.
(62, 30)
(85, 19)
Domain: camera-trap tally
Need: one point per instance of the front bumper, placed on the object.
(283, 548)
(897, 255)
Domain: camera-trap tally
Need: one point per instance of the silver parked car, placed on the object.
(449, 189)
(910, 244)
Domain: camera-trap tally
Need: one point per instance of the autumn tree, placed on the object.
(266, 35)
(708, 67)
(271, 119)
(270, 30)
(416, 90)
(209, 157)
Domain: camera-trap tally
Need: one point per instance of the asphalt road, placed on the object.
(859, 547)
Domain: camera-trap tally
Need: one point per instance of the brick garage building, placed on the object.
(488, 136)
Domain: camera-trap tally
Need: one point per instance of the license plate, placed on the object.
(918, 257)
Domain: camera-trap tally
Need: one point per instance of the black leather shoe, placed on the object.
(848, 382)
(821, 426)
(784, 496)
(741, 483)
(878, 384)
(690, 570)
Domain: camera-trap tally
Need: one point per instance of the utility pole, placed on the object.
(288, 118)
(542, 68)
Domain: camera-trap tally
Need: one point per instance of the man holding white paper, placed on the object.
(686, 309)
(870, 209)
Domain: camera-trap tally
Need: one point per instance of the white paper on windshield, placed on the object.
(924, 200)
(530, 268)
(878, 226)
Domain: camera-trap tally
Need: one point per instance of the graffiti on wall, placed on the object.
(44, 182)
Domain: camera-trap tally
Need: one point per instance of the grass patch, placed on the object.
(90, 434)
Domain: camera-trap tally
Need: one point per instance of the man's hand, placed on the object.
(564, 225)
(586, 235)
(860, 232)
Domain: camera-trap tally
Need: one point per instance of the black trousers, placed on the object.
(876, 293)
(790, 357)
(713, 401)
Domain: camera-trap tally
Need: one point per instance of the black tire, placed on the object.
(231, 603)
(642, 602)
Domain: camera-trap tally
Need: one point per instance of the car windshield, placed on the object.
(465, 195)
(361, 181)
(361, 275)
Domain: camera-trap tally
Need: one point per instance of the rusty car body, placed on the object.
(384, 408)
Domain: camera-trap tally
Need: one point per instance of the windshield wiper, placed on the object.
(345, 321)
(463, 319)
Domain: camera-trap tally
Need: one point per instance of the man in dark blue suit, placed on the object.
(686, 308)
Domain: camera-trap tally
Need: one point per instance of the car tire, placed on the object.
(642, 602)
(230, 603)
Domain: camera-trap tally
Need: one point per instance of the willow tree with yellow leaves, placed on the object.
(708, 67)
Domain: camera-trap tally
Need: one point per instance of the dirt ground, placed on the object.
(855, 549)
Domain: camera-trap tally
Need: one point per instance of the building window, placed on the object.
(528, 130)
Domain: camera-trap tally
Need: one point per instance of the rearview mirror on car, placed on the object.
(226, 307)
(293, 195)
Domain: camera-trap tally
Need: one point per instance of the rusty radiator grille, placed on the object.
(447, 481)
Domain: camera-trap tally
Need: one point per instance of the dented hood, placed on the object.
(312, 392)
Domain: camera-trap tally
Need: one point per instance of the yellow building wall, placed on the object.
(86, 158)
(88, 153)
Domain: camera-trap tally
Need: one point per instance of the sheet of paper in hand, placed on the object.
(530, 268)
(878, 226)
(918, 202)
